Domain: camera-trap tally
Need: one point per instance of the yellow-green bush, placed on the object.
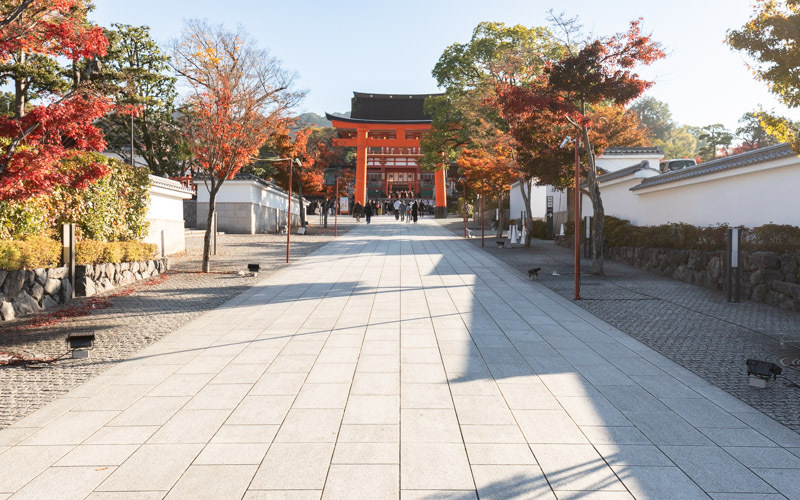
(137, 250)
(89, 252)
(41, 251)
(96, 252)
(114, 252)
(29, 253)
(10, 255)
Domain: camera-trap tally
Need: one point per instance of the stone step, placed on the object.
(197, 232)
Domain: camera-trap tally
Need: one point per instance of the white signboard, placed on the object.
(344, 205)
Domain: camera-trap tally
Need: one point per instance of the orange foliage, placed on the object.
(614, 125)
(490, 171)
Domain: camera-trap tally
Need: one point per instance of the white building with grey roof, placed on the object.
(748, 189)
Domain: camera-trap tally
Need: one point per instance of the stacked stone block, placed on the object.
(27, 292)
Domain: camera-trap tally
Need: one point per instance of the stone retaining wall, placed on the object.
(766, 276)
(26, 292)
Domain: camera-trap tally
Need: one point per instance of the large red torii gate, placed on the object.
(394, 125)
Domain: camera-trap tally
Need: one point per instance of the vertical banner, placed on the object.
(344, 205)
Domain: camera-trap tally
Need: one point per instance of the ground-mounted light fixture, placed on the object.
(80, 343)
(254, 268)
(761, 374)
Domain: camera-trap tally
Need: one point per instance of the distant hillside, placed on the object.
(315, 120)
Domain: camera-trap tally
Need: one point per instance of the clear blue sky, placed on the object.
(338, 47)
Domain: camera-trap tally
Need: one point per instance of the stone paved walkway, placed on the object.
(138, 316)
(689, 324)
(396, 362)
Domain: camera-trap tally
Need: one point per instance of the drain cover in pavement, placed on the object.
(791, 362)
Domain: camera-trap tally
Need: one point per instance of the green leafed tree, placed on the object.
(678, 143)
(715, 138)
(771, 38)
(465, 117)
(751, 132)
(138, 75)
(655, 115)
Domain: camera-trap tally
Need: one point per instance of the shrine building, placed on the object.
(386, 131)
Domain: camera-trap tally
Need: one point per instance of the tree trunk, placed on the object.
(20, 92)
(597, 205)
(212, 202)
(325, 208)
(526, 198)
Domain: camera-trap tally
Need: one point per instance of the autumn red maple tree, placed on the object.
(308, 175)
(37, 136)
(600, 71)
(490, 170)
(241, 98)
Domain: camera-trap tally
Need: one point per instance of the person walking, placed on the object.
(397, 210)
(415, 211)
(403, 210)
(368, 212)
(358, 210)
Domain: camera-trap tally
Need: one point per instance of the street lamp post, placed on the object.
(464, 179)
(482, 218)
(292, 162)
(336, 208)
(577, 214)
(577, 218)
(289, 211)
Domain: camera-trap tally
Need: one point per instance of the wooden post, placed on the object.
(68, 252)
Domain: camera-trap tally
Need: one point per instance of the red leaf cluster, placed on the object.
(63, 125)
(51, 27)
(59, 131)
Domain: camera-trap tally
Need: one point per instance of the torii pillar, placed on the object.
(440, 179)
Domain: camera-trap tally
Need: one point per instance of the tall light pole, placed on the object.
(133, 164)
(483, 195)
(336, 208)
(577, 214)
(292, 162)
(464, 180)
(289, 211)
(577, 218)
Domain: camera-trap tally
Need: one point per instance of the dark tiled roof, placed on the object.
(625, 171)
(331, 117)
(169, 184)
(613, 150)
(246, 176)
(391, 107)
(760, 155)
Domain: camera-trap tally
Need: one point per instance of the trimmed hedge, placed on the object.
(781, 239)
(39, 251)
(96, 252)
(29, 253)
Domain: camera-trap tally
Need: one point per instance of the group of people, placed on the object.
(403, 210)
